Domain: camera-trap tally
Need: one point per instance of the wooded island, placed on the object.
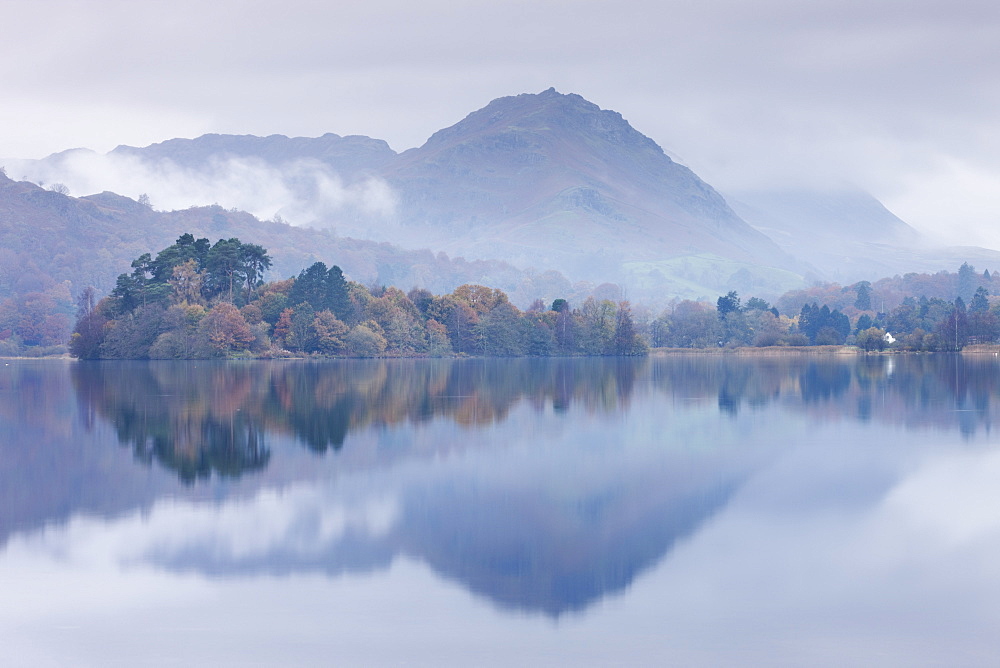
(197, 300)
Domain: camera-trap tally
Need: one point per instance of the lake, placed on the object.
(692, 510)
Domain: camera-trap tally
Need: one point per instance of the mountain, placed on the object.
(552, 180)
(847, 235)
(539, 181)
(542, 181)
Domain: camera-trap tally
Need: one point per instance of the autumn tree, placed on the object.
(330, 333)
(365, 340)
(953, 331)
(498, 331)
(480, 298)
(872, 338)
(460, 320)
(225, 330)
(690, 325)
(438, 344)
(88, 334)
(626, 341)
(283, 327)
(185, 282)
(597, 328)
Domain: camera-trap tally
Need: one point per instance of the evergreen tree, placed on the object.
(337, 299)
(967, 281)
(310, 287)
(864, 322)
(728, 304)
(980, 303)
(863, 302)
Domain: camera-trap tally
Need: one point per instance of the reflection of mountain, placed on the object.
(540, 485)
(520, 547)
(532, 552)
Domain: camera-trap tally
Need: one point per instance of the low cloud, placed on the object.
(302, 192)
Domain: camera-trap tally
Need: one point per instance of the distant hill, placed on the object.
(847, 235)
(49, 239)
(350, 156)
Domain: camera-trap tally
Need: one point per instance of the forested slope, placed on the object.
(53, 245)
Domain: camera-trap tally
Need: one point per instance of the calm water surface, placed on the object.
(681, 511)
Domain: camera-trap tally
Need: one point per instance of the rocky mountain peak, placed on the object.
(548, 112)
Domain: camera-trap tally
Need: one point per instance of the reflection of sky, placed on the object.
(842, 548)
(766, 537)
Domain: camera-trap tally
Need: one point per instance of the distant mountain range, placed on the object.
(540, 182)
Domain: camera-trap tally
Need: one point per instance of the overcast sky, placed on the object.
(898, 97)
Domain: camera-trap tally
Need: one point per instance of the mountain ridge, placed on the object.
(352, 153)
(551, 180)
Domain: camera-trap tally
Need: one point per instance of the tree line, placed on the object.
(914, 324)
(198, 300)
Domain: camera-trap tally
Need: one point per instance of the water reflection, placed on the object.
(541, 485)
(551, 503)
(945, 391)
(200, 419)
(204, 418)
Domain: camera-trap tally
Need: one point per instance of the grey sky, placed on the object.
(900, 98)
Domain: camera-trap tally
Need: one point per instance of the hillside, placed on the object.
(847, 235)
(54, 245)
(552, 180)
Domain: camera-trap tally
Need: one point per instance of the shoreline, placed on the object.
(743, 351)
(766, 351)
(844, 351)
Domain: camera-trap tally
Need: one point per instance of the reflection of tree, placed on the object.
(186, 417)
(824, 380)
(200, 418)
(943, 389)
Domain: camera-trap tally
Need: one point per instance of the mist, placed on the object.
(301, 192)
